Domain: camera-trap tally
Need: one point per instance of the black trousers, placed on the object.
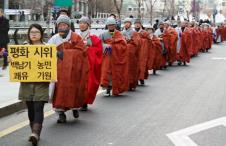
(35, 111)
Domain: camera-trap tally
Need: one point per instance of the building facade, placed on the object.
(79, 8)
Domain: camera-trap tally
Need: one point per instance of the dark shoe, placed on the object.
(4, 67)
(35, 136)
(179, 63)
(62, 118)
(84, 108)
(75, 114)
(108, 91)
(142, 82)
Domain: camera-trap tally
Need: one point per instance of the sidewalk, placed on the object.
(9, 102)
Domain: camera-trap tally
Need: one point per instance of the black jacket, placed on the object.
(4, 29)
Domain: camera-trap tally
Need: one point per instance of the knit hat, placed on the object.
(128, 20)
(138, 21)
(63, 19)
(111, 21)
(85, 20)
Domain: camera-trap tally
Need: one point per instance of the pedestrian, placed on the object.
(95, 51)
(35, 94)
(22, 16)
(114, 74)
(159, 34)
(184, 43)
(133, 46)
(72, 70)
(155, 52)
(4, 38)
(144, 52)
(155, 26)
(170, 42)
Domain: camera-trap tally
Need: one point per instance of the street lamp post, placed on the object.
(49, 6)
(6, 5)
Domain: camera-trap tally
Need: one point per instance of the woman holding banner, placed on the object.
(35, 94)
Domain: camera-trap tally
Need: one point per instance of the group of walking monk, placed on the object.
(117, 61)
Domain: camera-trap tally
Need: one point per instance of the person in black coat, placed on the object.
(4, 38)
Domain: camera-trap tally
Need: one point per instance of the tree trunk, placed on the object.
(118, 6)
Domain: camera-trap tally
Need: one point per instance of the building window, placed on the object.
(129, 9)
(223, 4)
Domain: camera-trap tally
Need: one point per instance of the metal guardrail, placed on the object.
(20, 33)
(18, 30)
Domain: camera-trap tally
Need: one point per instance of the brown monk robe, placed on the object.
(133, 52)
(143, 55)
(72, 75)
(133, 46)
(186, 45)
(190, 39)
(170, 41)
(115, 65)
(205, 39)
(157, 63)
(202, 39)
(223, 33)
(210, 38)
(155, 52)
(195, 41)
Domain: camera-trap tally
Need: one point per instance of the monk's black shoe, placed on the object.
(75, 114)
(62, 118)
(84, 108)
(142, 82)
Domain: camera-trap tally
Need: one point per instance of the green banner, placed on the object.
(63, 3)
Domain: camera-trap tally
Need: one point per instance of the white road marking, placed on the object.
(218, 58)
(181, 137)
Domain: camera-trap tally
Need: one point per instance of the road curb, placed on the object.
(13, 108)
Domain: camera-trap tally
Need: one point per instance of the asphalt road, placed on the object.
(176, 98)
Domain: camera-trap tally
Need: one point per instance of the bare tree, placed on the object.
(169, 8)
(195, 8)
(140, 3)
(118, 5)
(92, 6)
(150, 7)
(106, 6)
